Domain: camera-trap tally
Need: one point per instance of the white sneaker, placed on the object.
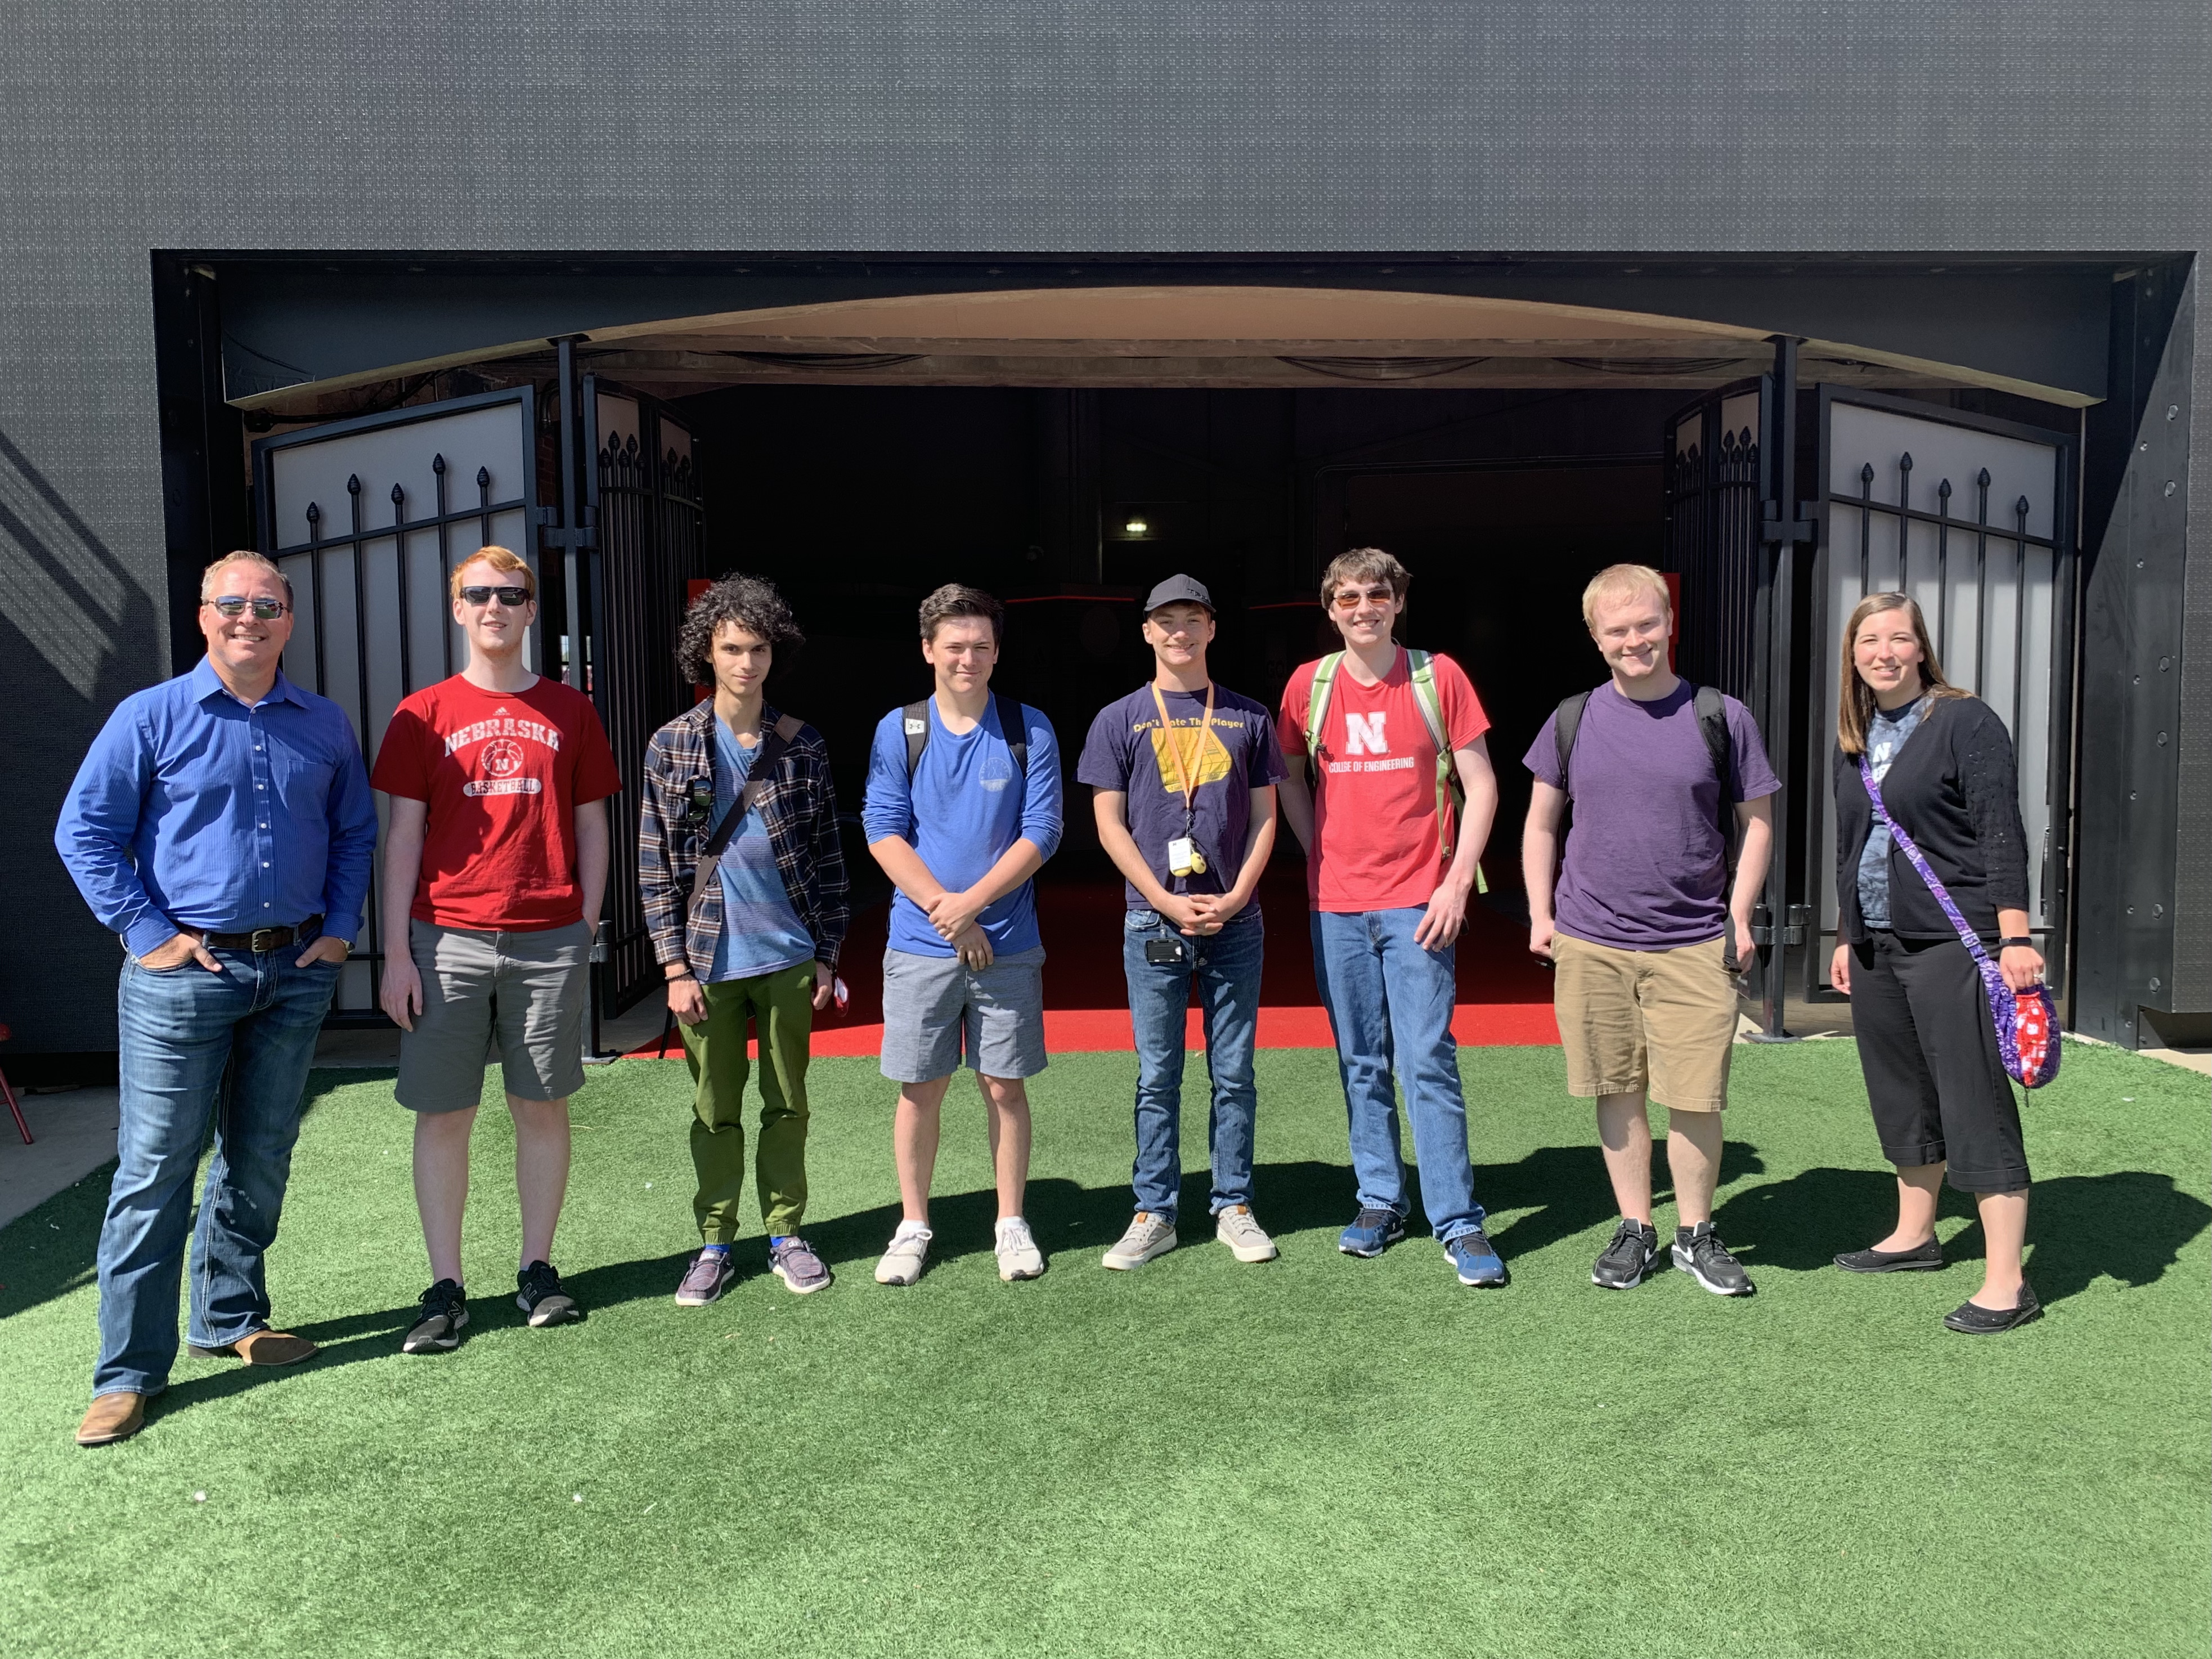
(1018, 1255)
(1149, 1235)
(902, 1262)
(1247, 1240)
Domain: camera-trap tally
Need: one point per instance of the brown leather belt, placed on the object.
(261, 939)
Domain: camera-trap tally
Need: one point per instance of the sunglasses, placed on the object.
(234, 605)
(1351, 600)
(512, 597)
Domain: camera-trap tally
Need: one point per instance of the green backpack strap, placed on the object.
(1451, 799)
(1324, 680)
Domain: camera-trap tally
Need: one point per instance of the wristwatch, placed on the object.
(2023, 943)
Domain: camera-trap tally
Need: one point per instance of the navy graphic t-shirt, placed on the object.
(1237, 753)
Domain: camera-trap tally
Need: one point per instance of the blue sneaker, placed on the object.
(1477, 1259)
(1371, 1232)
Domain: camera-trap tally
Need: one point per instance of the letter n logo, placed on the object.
(1363, 733)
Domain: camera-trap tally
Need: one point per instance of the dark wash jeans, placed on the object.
(1226, 966)
(233, 1047)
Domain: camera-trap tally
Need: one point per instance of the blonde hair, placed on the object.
(1855, 703)
(1368, 564)
(243, 555)
(1619, 580)
(500, 559)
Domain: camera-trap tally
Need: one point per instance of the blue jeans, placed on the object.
(1226, 965)
(234, 1048)
(1390, 1000)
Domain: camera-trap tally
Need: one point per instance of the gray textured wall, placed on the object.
(1173, 125)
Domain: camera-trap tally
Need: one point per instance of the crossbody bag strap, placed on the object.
(757, 779)
(1967, 937)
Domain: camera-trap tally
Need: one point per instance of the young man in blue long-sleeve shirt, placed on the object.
(961, 812)
(223, 826)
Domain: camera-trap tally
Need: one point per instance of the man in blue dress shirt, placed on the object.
(223, 826)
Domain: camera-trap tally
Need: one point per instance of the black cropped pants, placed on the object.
(1933, 1078)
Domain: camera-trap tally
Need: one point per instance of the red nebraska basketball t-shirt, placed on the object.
(1378, 845)
(503, 773)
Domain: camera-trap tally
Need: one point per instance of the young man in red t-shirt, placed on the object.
(494, 863)
(1388, 871)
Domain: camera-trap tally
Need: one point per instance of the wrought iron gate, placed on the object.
(643, 500)
(1713, 536)
(367, 518)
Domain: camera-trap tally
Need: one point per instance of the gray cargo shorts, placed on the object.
(932, 1005)
(516, 996)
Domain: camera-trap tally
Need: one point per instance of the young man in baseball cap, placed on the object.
(1184, 773)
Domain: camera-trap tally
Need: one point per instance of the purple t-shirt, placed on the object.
(1127, 753)
(1645, 865)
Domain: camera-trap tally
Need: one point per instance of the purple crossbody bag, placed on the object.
(2026, 1021)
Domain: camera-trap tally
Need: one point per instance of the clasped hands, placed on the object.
(1197, 915)
(953, 916)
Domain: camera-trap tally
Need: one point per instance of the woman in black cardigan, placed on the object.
(1942, 1100)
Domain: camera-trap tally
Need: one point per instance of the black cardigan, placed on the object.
(1953, 789)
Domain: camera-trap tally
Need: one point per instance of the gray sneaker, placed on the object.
(1017, 1251)
(793, 1261)
(1149, 1235)
(1247, 1239)
(902, 1262)
(705, 1279)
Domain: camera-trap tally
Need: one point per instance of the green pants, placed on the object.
(782, 1005)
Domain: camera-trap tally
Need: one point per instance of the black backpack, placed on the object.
(1713, 725)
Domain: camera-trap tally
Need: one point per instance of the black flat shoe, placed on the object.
(1920, 1259)
(1972, 1319)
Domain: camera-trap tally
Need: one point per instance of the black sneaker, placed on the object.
(440, 1321)
(1699, 1253)
(540, 1296)
(1627, 1261)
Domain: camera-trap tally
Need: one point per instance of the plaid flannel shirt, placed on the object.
(799, 808)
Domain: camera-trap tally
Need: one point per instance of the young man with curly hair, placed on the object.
(745, 886)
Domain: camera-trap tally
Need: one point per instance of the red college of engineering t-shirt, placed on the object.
(1378, 844)
(503, 773)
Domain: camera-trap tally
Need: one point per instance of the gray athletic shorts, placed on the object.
(931, 1004)
(515, 997)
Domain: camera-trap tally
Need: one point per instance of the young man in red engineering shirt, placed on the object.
(494, 865)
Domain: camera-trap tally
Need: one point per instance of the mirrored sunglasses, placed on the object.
(512, 597)
(234, 605)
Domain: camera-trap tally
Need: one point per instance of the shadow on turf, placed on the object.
(2131, 1225)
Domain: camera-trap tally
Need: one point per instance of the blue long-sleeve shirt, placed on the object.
(192, 808)
(964, 809)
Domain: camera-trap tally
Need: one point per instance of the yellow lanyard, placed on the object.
(1186, 776)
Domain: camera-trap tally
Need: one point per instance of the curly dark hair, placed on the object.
(752, 602)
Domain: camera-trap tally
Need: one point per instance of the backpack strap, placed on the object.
(916, 717)
(1565, 725)
(1421, 670)
(1324, 681)
(1016, 732)
(1713, 722)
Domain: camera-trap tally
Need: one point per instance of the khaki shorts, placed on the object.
(520, 997)
(1661, 1022)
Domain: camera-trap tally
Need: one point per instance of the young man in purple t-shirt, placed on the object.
(1644, 920)
(1183, 775)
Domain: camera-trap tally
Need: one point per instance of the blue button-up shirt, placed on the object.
(193, 809)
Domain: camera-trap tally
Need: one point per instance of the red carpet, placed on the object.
(1505, 999)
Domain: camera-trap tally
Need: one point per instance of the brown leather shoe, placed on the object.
(262, 1347)
(113, 1417)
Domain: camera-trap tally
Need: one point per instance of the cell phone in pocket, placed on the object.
(1164, 952)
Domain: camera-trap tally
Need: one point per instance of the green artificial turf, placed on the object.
(1314, 1456)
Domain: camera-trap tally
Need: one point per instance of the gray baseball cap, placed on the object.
(1179, 590)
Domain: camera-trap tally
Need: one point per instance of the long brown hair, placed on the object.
(1855, 703)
